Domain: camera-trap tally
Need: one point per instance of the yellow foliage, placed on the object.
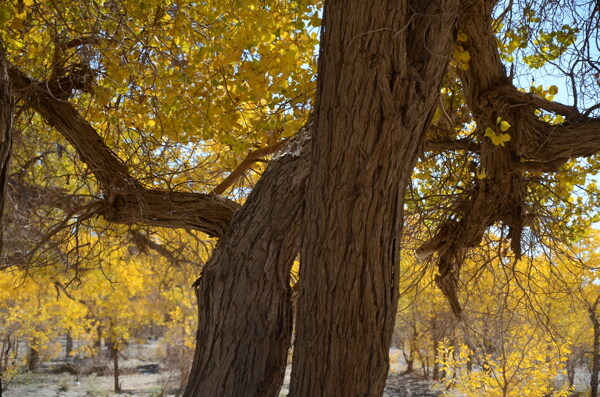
(523, 365)
(497, 139)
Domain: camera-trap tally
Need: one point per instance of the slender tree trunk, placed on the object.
(244, 306)
(33, 359)
(571, 367)
(98, 343)
(436, 345)
(68, 344)
(595, 358)
(6, 123)
(410, 361)
(115, 357)
(380, 70)
(185, 364)
(424, 364)
(470, 364)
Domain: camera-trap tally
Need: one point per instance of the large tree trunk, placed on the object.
(380, 71)
(244, 292)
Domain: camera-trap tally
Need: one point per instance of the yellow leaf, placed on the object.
(461, 37)
(553, 90)
(497, 139)
(481, 174)
(462, 57)
(504, 126)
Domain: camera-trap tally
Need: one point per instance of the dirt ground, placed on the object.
(65, 385)
(165, 383)
(157, 385)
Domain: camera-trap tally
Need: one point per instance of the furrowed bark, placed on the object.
(205, 212)
(126, 200)
(7, 107)
(244, 292)
(380, 70)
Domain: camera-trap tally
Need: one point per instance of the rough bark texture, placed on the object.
(6, 123)
(205, 212)
(244, 292)
(126, 199)
(380, 70)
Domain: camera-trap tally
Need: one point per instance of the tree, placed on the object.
(379, 80)
(237, 55)
(6, 121)
(253, 85)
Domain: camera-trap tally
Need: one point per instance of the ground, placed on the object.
(165, 383)
(65, 385)
(161, 385)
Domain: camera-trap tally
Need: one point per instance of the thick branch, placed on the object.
(579, 138)
(109, 170)
(509, 94)
(208, 213)
(127, 201)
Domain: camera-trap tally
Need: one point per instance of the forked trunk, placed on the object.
(380, 71)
